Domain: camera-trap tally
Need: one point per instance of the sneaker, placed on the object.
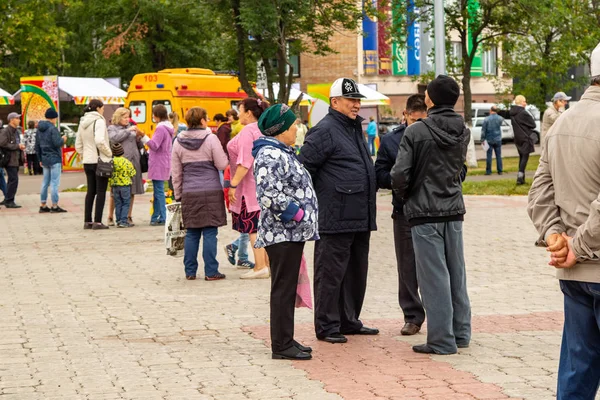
(44, 209)
(157, 223)
(111, 222)
(123, 225)
(130, 222)
(57, 209)
(216, 277)
(230, 250)
(245, 264)
(253, 274)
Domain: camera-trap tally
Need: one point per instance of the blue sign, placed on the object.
(370, 53)
(413, 41)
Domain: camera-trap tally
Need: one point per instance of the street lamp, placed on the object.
(440, 38)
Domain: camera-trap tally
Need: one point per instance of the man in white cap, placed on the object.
(564, 205)
(11, 145)
(559, 103)
(337, 157)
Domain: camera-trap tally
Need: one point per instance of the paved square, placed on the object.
(107, 315)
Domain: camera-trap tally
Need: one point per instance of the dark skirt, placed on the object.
(245, 221)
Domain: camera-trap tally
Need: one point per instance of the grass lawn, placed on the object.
(509, 164)
(502, 187)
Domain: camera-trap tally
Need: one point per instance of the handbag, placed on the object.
(144, 161)
(104, 169)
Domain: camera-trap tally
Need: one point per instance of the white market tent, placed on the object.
(373, 97)
(82, 90)
(294, 94)
(6, 98)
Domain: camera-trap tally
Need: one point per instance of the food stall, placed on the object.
(38, 93)
(6, 99)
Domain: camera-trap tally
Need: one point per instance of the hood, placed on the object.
(268, 141)
(192, 140)
(514, 110)
(89, 118)
(448, 127)
(44, 126)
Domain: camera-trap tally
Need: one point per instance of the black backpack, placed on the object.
(4, 157)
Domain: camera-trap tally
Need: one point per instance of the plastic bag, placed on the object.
(174, 230)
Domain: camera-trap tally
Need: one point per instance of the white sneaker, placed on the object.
(262, 274)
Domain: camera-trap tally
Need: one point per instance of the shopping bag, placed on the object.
(174, 230)
(303, 298)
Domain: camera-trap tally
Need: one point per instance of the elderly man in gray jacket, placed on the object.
(564, 205)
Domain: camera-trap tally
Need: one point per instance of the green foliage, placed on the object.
(555, 36)
(30, 41)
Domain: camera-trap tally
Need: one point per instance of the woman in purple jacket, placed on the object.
(159, 161)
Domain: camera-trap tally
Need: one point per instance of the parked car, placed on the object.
(481, 110)
(507, 130)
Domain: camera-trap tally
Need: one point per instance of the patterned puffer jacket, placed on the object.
(283, 188)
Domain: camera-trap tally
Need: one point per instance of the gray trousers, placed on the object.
(443, 282)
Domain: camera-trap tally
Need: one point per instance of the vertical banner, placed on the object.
(477, 64)
(399, 53)
(427, 57)
(370, 56)
(384, 27)
(414, 40)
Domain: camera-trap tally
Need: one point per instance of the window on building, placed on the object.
(489, 61)
(293, 58)
(456, 56)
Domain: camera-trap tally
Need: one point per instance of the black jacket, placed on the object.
(10, 144)
(336, 155)
(48, 144)
(523, 127)
(427, 173)
(386, 158)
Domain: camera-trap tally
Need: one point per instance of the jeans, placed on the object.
(96, 189)
(496, 148)
(3, 188)
(209, 251)
(371, 141)
(13, 184)
(241, 243)
(122, 197)
(160, 206)
(443, 283)
(579, 366)
(52, 179)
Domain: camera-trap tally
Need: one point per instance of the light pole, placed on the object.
(440, 38)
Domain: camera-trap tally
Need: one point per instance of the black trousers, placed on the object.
(408, 288)
(33, 165)
(12, 184)
(341, 265)
(96, 189)
(284, 259)
(523, 159)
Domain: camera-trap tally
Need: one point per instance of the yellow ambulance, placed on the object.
(180, 89)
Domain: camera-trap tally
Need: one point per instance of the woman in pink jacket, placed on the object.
(159, 161)
(197, 159)
(244, 207)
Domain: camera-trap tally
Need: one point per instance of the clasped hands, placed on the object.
(560, 247)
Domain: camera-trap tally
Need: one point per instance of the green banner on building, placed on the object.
(474, 14)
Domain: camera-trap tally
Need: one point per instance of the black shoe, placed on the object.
(216, 277)
(425, 349)
(293, 353)
(303, 348)
(334, 338)
(462, 345)
(3, 202)
(57, 209)
(99, 225)
(364, 331)
(88, 225)
(410, 329)
(12, 205)
(44, 209)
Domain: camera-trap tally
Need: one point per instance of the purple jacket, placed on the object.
(159, 160)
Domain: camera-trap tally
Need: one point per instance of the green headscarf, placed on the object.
(276, 120)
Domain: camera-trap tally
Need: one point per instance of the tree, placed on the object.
(271, 30)
(478, 23)
(556, 35)
(30, 41)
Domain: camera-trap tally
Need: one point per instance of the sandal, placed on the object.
(111, 222)
(130, 221)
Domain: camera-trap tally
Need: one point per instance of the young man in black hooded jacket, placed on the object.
(427, 176)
